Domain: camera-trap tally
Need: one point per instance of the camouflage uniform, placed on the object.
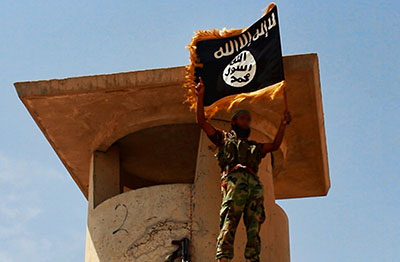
(242, 192)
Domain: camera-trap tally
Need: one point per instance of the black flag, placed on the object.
(247, 62)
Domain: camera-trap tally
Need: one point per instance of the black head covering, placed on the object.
(240, 111)
(239, 131)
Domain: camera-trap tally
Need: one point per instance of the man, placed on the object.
(241, 188)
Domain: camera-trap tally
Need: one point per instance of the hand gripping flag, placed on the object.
(236, 64)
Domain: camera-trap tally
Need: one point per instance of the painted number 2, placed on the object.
(120, 228)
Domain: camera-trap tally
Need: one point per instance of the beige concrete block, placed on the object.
(104, 175)
(139, 225)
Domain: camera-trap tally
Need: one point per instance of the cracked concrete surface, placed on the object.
(155, 238)
(145, 235)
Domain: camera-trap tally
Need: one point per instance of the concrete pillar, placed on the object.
(104, 176)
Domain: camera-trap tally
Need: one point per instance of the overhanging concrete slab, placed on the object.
(81, 114)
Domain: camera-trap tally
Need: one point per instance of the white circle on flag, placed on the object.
(241, 70)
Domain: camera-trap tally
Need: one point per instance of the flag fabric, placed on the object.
(236, 64)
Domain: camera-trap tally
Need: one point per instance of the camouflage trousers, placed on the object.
(242, 193)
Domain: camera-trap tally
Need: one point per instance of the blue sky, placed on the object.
(42, 212)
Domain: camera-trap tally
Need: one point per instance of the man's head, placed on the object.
(240, 123)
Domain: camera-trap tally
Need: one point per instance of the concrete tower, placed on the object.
(148, 171)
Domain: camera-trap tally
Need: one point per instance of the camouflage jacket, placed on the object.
(233, 151)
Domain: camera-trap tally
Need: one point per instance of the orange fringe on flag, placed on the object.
(229, 101)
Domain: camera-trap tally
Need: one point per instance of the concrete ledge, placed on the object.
(79, 115)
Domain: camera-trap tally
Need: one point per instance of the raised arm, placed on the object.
(201, 120)
(269, 147)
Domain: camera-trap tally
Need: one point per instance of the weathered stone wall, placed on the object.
(139, 225)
